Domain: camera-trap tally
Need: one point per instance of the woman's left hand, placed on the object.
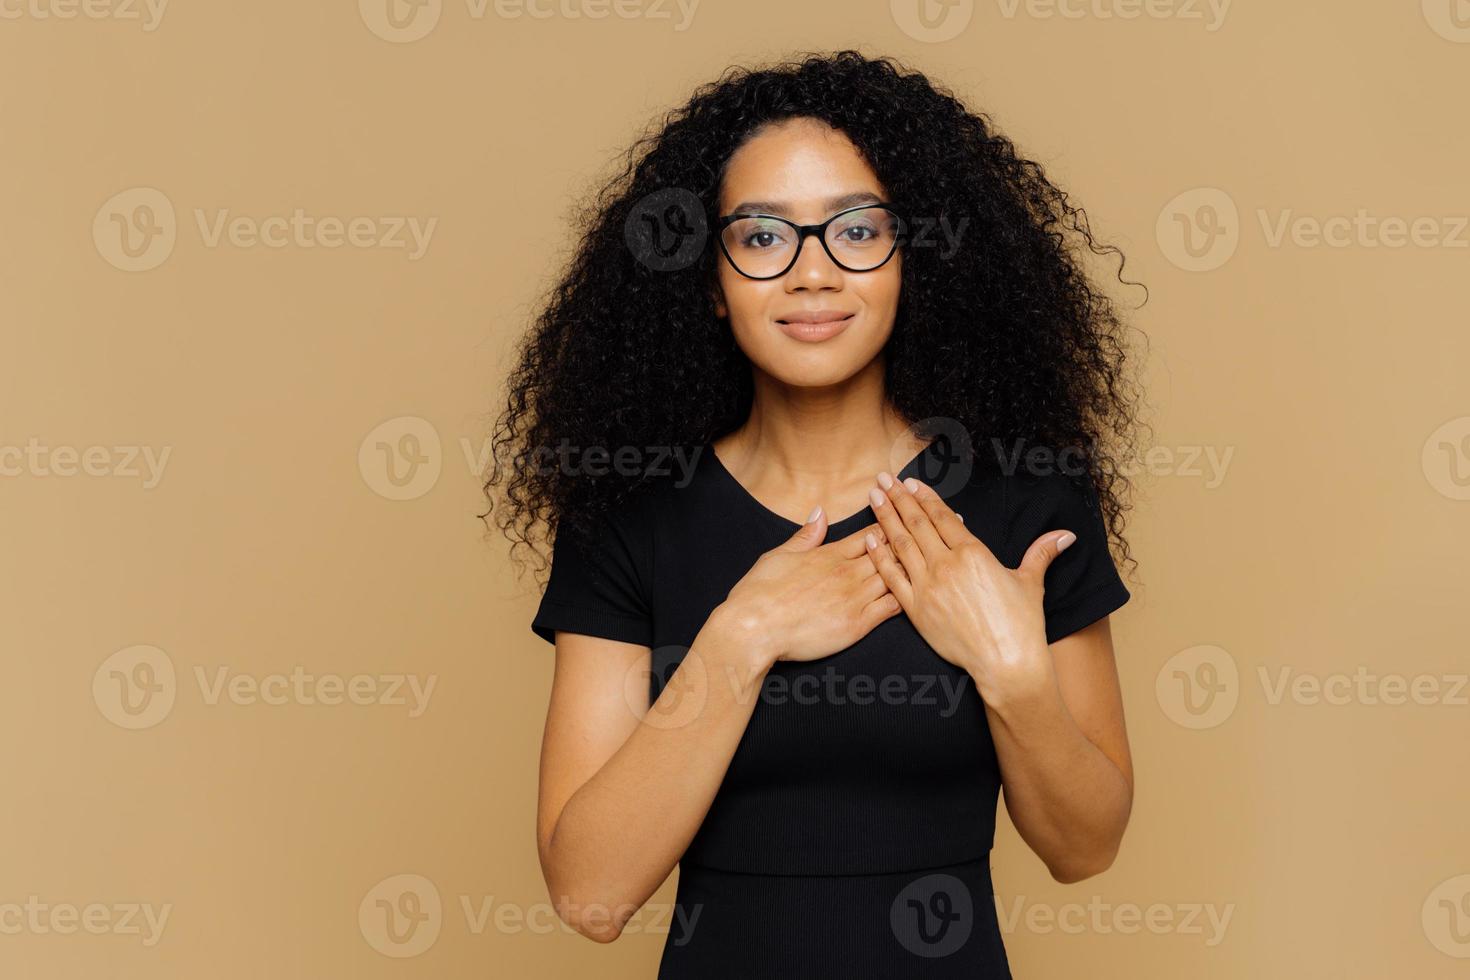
(974, 611)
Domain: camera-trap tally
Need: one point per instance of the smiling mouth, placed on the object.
(822, 322)
(815, 331)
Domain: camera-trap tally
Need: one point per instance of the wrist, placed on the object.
(743, 638)
(1029, 691)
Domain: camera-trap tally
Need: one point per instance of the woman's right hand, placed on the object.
(804, 600)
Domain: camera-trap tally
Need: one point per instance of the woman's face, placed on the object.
(804, 170)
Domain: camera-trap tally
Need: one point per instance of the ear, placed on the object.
(717, 295)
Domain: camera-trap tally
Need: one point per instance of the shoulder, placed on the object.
(1021, 495)
(625, 525)
(601, 575)
(1040, 494)
(1082, 583)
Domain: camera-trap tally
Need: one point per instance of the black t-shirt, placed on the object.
(876, 759)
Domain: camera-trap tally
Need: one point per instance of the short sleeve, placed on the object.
(1082, 583)
(599, 587)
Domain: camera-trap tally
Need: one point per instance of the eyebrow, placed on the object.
(833, 204)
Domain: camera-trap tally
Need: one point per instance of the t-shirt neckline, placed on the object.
(911, 468)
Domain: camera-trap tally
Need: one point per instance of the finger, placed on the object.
(1043, 552)
(853, 546)
(892, 572)
(860, 568)
(872, 585)
(905, 547)
(950, 525)
(884, 607)
(809, 535)
(914, 518)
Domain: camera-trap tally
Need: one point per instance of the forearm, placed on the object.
(622, 832)
(1068, 800)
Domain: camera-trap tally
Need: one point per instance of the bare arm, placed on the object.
(625, 785)
(1055, 711)
(613, 768)
(1064, 758)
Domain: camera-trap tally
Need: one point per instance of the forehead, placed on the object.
(803, 165)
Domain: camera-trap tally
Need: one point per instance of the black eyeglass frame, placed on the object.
(820, 230)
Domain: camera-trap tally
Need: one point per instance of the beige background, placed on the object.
(1327, 380)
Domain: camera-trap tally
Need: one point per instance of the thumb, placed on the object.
(1043, 552)
(810, 534)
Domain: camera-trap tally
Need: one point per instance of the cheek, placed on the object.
(879, 297)
(883, 292)
(747, 302)
(735, 293)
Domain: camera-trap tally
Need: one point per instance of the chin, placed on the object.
(814, 380)
(814, 365)
(814, 368)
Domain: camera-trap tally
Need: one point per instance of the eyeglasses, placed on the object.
(764, 246)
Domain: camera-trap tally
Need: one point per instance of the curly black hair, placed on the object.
(1006, 336)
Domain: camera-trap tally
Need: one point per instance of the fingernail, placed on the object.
(876, 496)
(1065, 540)
(816, 512)
(872, 541)
(912, 484)
(885, 481)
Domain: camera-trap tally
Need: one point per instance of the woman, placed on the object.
(817, 418)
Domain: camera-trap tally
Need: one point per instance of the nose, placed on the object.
(814, 269)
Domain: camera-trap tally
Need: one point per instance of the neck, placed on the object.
(819, 438)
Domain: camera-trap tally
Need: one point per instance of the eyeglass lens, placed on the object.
(859, 240)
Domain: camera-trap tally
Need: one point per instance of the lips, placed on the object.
(811, 327)
(815, 316)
